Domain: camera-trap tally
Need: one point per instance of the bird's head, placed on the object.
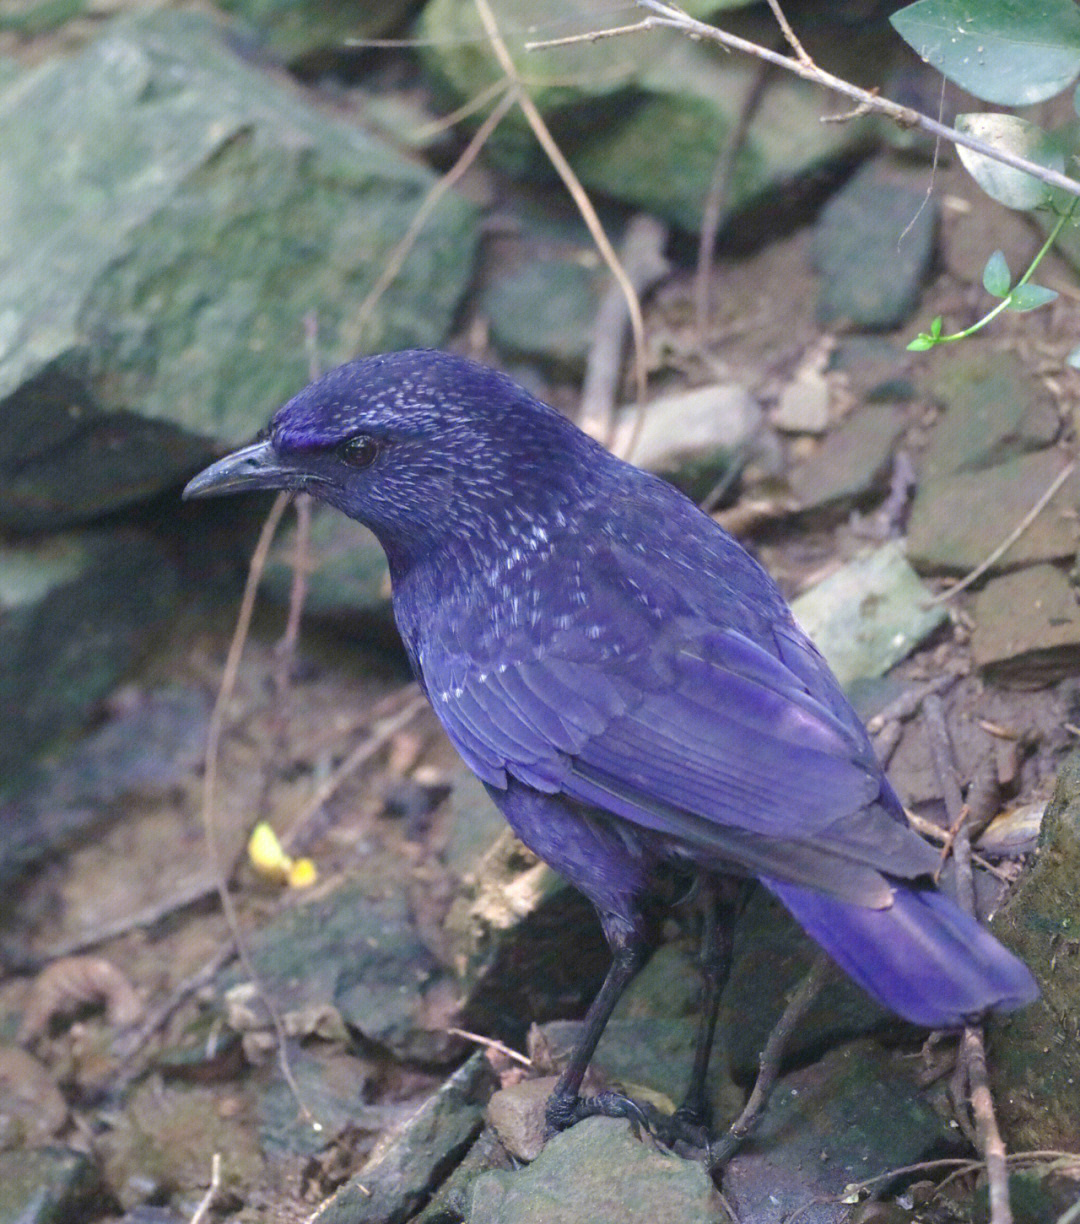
(419, 446)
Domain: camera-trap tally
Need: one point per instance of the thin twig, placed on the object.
(771, 1060)
(667, 16)
(573, 186)
(716, 201)
(202, 1211)
(1011, 538)
(401, 252)
(973, 1049)
(642, 255)
(489, 1043)
(381, 733)
(790, 36)
(210, 777)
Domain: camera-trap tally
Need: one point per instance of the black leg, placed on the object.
(723, 901)
(565, 1107)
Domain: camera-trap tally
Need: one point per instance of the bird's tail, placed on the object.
(923, 956)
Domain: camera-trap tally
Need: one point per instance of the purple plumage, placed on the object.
(625, 679)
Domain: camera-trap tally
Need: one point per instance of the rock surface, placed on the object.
(641, 121)
(597, 1171)
(75, 613)
(854, 1114)
(957, 521)
(1034, 1055)
(994, 410)
(1027, 627)
(873, 248)
(295, 29)
(851, 462)
(869, 614)
(407, 1162)
(50, 1185)
(164, 266)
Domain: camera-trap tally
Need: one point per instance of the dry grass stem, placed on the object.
(577, 193)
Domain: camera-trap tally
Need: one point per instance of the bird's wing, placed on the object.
(694, 732)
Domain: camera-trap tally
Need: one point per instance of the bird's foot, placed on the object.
(670, 1129)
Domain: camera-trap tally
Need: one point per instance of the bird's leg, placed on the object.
(769, 1063)
(566, 1106)
(722, 902)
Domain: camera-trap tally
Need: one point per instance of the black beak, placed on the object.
(257, 466)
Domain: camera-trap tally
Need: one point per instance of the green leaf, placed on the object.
(1073, 359)
(996, 275)
(1009, 52)
(935, 327)
(1030, 297)
(922, 342)
(1013, 188)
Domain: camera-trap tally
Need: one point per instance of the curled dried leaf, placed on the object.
(76, 981)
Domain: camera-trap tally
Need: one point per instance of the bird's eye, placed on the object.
(358, 452)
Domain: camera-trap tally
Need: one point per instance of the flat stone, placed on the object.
(517, 1115)
(869, 614)
(155, 278)
(855, 1114)
(1034, 1054)
(851, 462)
(407, 1163)
(692, 437)
(957, 521)
(994, 410)
(76, 612)
(803, 406)
(873, 248)
(1027, 627)
(357, 950)
(50, 1185)
(543, 308)
(597, 1171)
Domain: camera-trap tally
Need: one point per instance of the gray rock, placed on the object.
(869, 614)
(851, 462)
(994, 410)
(331, 1083)
(770, 956)
(597, 1171)
(1034, 1054)
(295, 29)
(803, 406)
(517, 1115)
(51, 1185)
(691, 437)
(407, 1163)
(149, 745)
(346, 567)
(855, 1114)
(1027, 627)
(957, 521)
(75, 613)
(643, 122)
(356, 951)
(873, 248)
(544, 309)
(165, 264)
(875, 369)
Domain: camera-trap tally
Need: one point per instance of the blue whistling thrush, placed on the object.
(627, 682)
